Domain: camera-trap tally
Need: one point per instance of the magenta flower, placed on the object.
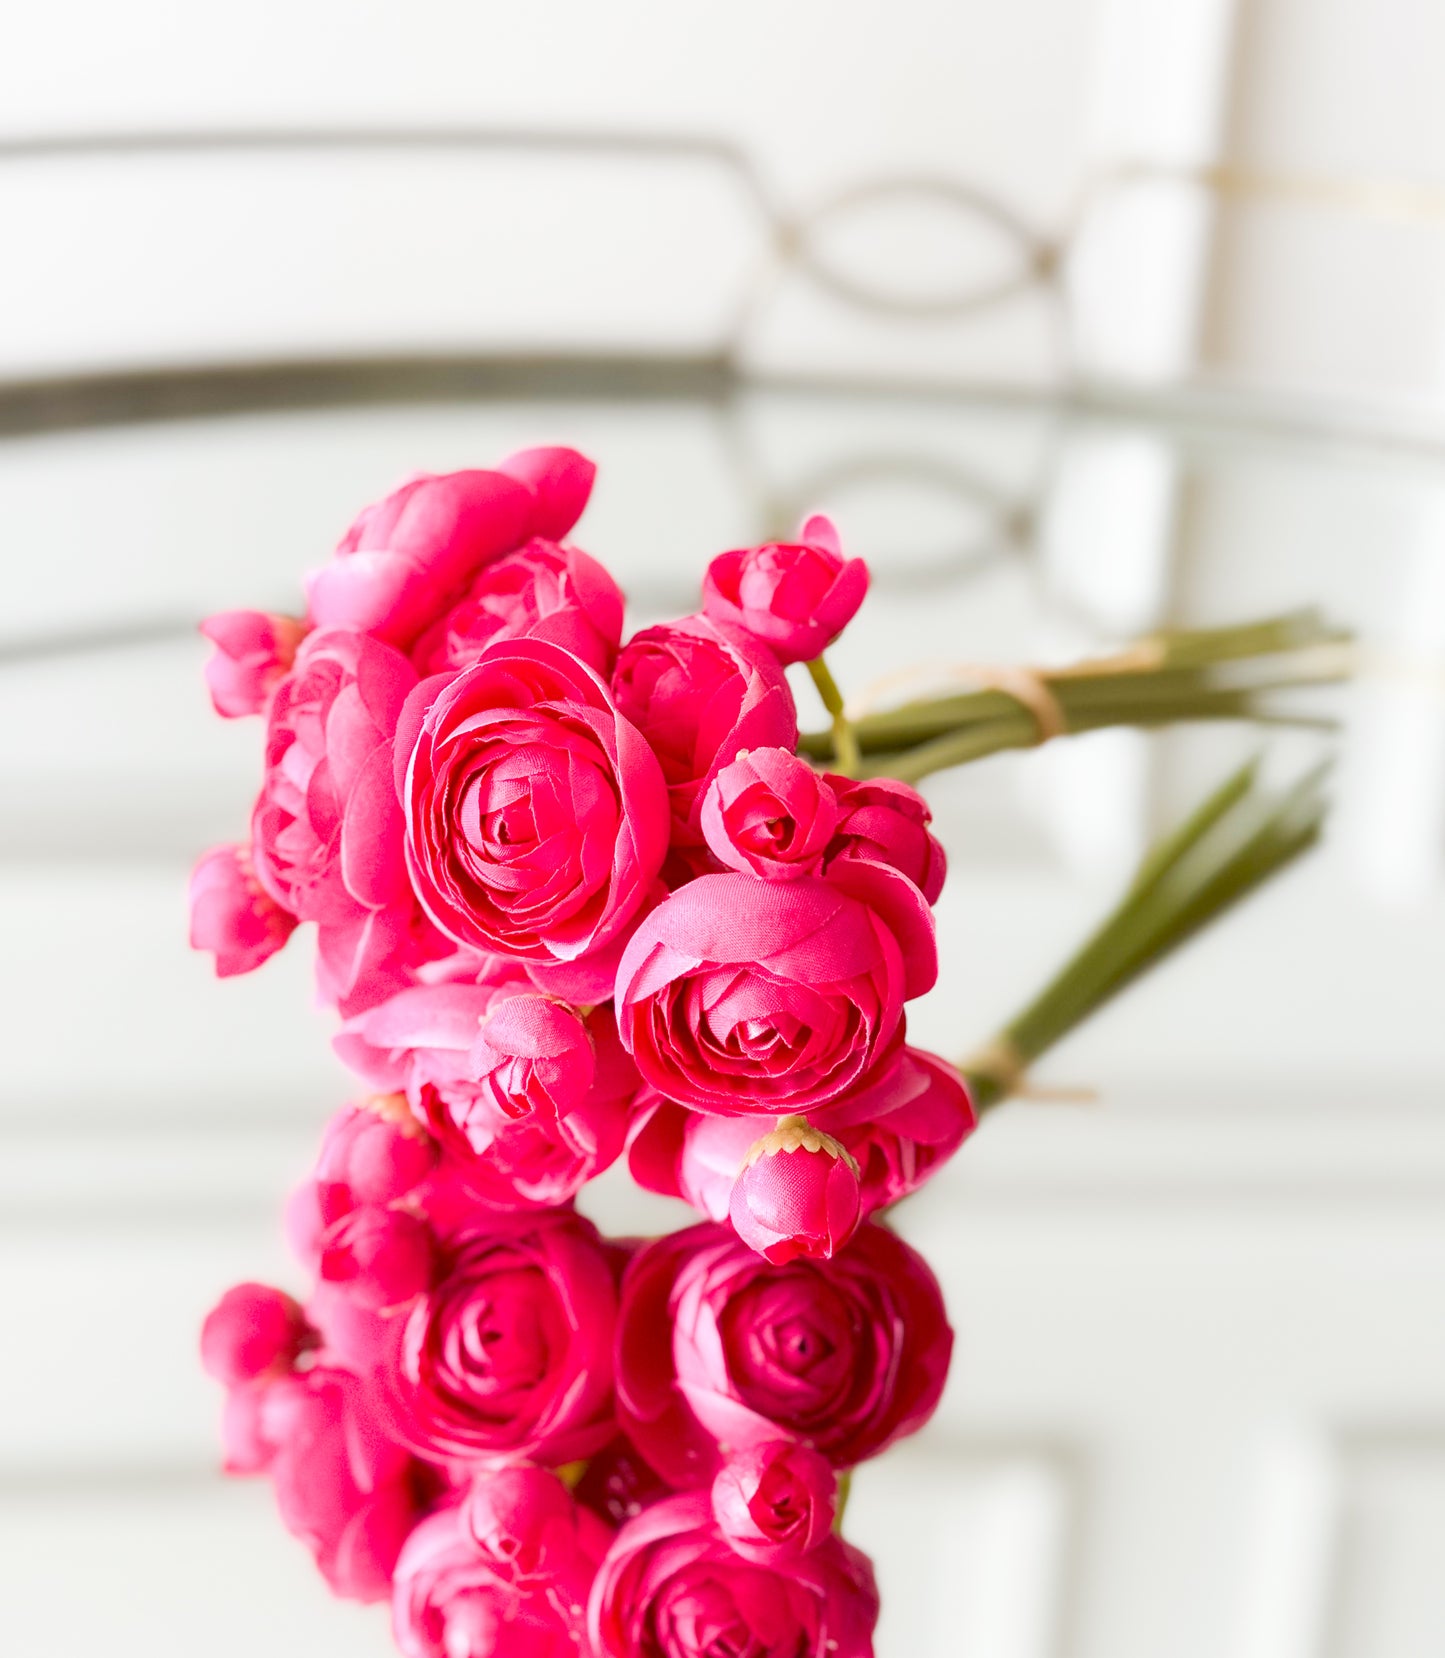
(886, 822)
(410, 556)
(232, 915)
(542, 591)
(715, 1346)
(509, 1354)
(796, 1195)
(794, 597)
(251, 1332)
(770, 814)
(253, 651)
(505, 1572)
(671, 1586)
(738, 995)
(700, 693)
(536, 815)
(775, 1502)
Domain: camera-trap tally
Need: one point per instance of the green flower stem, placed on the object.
(843, 743)
(1204, 674)
(1230, 845)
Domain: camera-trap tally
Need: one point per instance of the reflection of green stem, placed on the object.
(843, 742)
(1231, 844)
(1203, 674)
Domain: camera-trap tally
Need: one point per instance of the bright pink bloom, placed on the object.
(795, 1195)
(383, 1256)
(245, 1448)
(672, 1587)
(770, 814)
(509, 1353)
(776, 1501)
(886, 822)
(717, 1347)
(536, 814)
(232, 915)
(253, 651)
(526, 1128)
(374, 1153)
(700, 693)
(408, 557)
(542, 591)
(342, 1486)
(505, 1572)
(738, 995)
(252, 1331)
(794, 597)
(903, 1128)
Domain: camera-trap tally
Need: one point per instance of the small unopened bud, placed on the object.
(797, 1194)
(253, 1331)
(775, 1501)
(384, 1256)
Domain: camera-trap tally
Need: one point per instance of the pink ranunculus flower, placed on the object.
(410, 556)
(383, 1256)
(796, 1194)
(796, 597)
(509, 1354)
(886, 822)
(741, 996)
(701, 693)
(715, 1346)
(373, 1153)
(672, 1587)
(505, 1571)
(770, 814)
(251, 1332)
(542, 591)
(232, 915)
(536, 814)
(776, 1501)
(350, 1492)
(904, 1127)
(534, 1057)
(253, 651)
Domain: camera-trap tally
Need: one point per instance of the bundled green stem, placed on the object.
(1198, 674)
(1234, 842)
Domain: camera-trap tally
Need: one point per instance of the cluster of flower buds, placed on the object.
(576, 899)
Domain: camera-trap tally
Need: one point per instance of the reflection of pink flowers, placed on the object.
(738, 995)
(672, 1586)
(348, 1492)
(409, 555)
(253, 650)
(795, 598)
(232, 915)
(509, 1354)
(717, 1347)
(776, 1501)
(700, 693)
(543, 591)
(536, 815)
(504, 1572)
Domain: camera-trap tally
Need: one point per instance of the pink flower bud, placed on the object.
(796, 597)
(384, 1256)
(770, 814)
(253, 651)
(533, 1057)
(252, 1331)
(246, 1448)
(372, 1153)
(797, 1194)
(232, 917)
(776, 1501)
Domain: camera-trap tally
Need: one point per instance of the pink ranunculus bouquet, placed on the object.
(577, 897)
